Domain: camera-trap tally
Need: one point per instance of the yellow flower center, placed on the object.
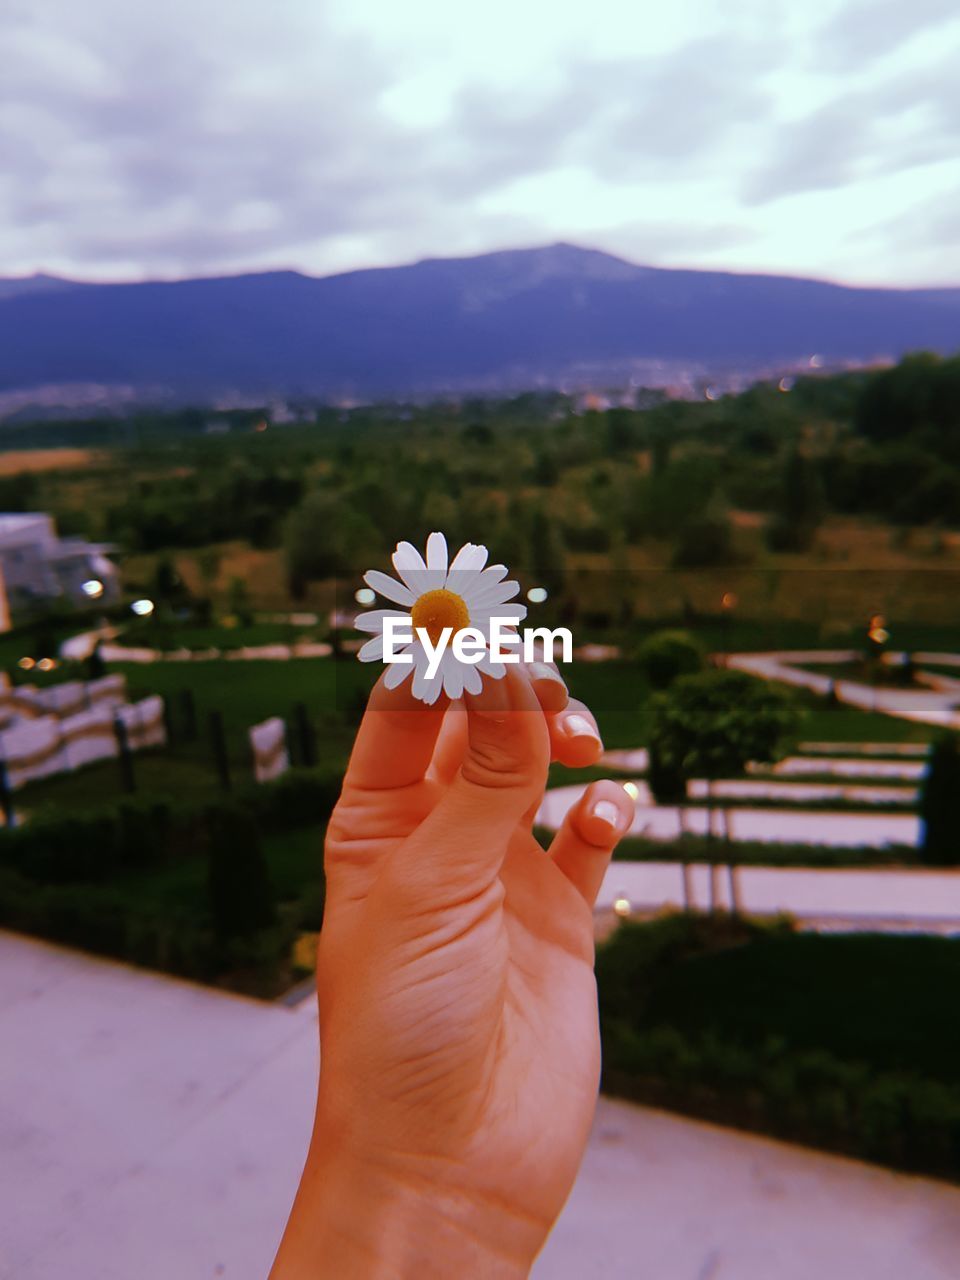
(438, 609)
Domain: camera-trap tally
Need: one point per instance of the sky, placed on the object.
(207, 137)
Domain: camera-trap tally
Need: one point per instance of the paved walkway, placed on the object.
(787, 792)
(921, 900)
(925, 706)
(154, 1130)
(78, 647)
(772, 825)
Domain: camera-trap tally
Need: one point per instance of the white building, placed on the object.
(38, 567)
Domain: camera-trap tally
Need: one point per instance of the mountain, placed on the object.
(501, 320)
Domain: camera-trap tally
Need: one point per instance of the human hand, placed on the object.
(458, 1010)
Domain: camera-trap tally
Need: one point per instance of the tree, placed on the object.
(667, 655)
(324, 536)
(238, 601)
(705, 540)
(712, 725)
(799, 507)
(940, 803)
(239, 892)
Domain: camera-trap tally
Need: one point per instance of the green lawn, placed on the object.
(162, 634)
(245, 693)
(334, 693)
(619, 697)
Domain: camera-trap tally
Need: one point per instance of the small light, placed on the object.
(364, 595)
(816, 362)
(93, 588)
(142, 608)
(710, 394)
(46, 664)
(728, 600)
(26, 664)
(785, 384)
(632, 790)
(622, 906)
(537, 595)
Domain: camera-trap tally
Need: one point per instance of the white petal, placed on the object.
(465, 570)
(397, 672)
(373, 621)
(495, 670)
(406, 559)
(437, 552)
(497, 593)
(427, 690)
(472, 555)
(472, 682)
(452, 679)
(372, 651)
(389, 588)
(508, 612)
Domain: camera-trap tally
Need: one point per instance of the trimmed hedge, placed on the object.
(67, 878)
(92, 846)
(890, 1099)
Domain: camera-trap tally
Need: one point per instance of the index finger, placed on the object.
(396, 739)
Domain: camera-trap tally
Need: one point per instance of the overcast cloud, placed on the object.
(218, 135)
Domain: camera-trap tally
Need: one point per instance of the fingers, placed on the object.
(548, 685)
(396, 739)
(458, 848)
(574, 737)
(551, 693)
(590, 832)
(451, 744)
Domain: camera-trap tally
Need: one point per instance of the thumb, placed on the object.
(460, 846)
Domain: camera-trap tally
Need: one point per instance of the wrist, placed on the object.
(358, 1219)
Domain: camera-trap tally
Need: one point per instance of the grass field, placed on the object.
(619, 697)
(15, 462)
(334, 693)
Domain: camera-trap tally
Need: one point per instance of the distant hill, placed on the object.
(498, 321)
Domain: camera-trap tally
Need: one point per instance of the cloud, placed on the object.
(620, 120)
(192, 138)
(863, 32)
(905, 120)
(255, 141)
(823, 150)
(140, 145)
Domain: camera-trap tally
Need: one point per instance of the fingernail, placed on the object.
(551, 689)
(540, 671)
(577, 726)
(606, 811)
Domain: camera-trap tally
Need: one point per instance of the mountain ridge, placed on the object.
(504, 320)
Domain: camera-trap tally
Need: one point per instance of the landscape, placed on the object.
(667, 538)
(641, 327)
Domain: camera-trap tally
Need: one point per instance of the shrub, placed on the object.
(939, 804)
(240, 895)
(666, 655)
(882, 1109)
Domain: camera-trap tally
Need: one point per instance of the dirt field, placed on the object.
(17, 461)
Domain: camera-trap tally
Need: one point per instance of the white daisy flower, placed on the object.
(433, 595)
